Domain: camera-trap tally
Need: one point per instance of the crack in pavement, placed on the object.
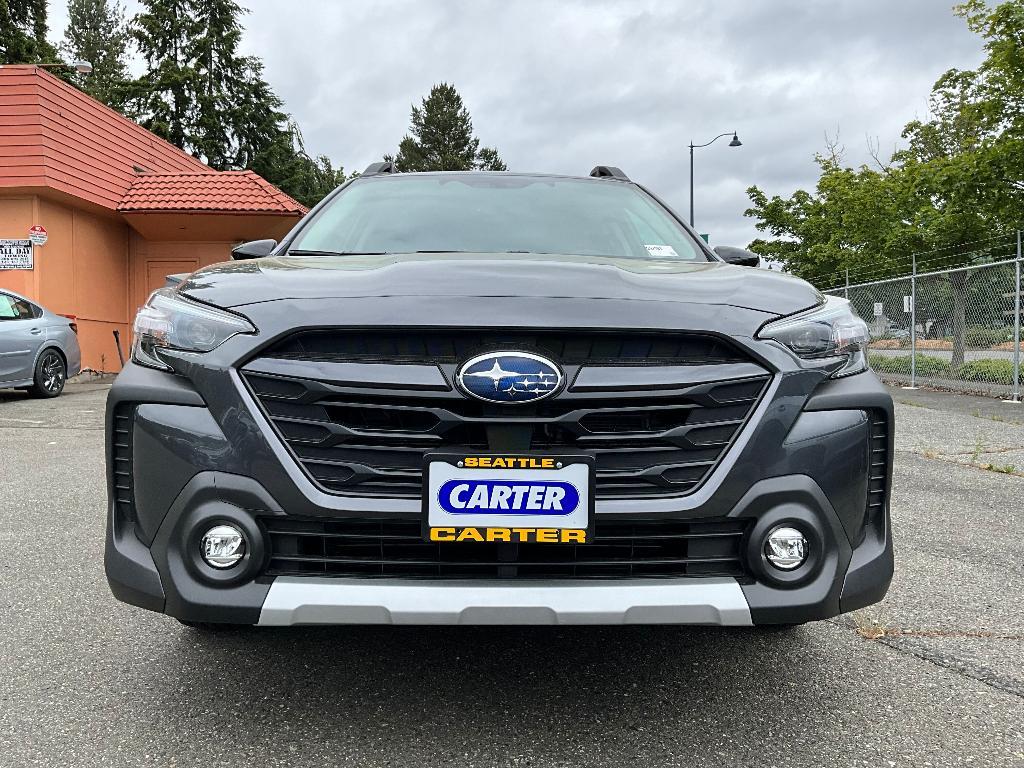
(912, 646)
(909, 642)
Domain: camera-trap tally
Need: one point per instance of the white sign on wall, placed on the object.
(16, 254)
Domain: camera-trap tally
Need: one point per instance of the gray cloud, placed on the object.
(563, 86)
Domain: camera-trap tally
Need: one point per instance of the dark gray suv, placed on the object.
(497, 398)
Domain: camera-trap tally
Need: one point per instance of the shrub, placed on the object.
(989, 370)
(980, 336)
(927, 365)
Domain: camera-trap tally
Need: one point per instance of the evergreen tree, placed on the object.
(442, 137)
(97, 33)
(201, 95)
(286, 163)
(23, 33)
(163, 99)
(236, 113)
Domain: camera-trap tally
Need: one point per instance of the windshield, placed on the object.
(491, 213)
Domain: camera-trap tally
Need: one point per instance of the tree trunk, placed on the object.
(958, 291)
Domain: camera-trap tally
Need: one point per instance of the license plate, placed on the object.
(508, 498)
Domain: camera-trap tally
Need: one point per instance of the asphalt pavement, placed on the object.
(932, 676)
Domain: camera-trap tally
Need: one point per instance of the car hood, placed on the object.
(237, 283)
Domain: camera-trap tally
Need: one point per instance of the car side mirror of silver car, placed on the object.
(254, 249)
(739, 256)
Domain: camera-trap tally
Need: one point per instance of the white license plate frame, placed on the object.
(482, 482)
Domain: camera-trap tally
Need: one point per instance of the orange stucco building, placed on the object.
(121, 207)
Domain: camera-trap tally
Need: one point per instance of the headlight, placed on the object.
(829, 331)
(170, 321)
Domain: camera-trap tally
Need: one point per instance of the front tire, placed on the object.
(50, 375)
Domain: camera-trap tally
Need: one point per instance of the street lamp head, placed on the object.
(85, 67)
(735, 141)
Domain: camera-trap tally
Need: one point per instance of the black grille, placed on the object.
(121, 446)
(449, 346)
(879, 463)
(644, 444)
(396, 548)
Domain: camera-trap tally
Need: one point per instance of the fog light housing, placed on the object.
(785, 548)
(223, 546)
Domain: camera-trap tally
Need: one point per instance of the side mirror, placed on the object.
(738, 256)
(255, 249)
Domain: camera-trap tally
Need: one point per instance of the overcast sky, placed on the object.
(563, 86)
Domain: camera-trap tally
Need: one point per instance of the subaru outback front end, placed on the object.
(497, 398)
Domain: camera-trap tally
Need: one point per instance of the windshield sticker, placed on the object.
(662, 251)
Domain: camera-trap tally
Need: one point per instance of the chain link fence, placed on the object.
(956, 329)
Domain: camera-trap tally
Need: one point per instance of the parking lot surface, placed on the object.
(932, 676)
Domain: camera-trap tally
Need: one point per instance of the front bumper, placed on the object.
(198, 450)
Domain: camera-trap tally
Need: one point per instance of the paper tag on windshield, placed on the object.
(662, 251)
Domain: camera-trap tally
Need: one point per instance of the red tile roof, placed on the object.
(228, 191)
(53, 135)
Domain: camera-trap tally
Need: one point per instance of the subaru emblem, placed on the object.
(509, 377)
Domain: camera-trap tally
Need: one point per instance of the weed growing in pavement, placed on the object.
(1006, 469)
(978, 448)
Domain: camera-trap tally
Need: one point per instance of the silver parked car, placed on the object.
(38, 348)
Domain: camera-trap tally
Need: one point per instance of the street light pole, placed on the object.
(734, 143)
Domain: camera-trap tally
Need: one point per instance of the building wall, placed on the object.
(96, 267)
(17, 214)
(82, 270)
(153, 260)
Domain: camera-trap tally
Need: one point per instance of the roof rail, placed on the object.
(608, 172)
(387, 166)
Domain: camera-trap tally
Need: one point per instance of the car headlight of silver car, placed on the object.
(830, 331)
(170, 321)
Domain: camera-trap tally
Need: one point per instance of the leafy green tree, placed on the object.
(23, 33)
(959, 180)
(442, 137)
(97, 32)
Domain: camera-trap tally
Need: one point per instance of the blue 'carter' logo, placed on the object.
(509, 377)
(508, 497)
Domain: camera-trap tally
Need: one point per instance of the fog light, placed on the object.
(222, 546)
(785, 548)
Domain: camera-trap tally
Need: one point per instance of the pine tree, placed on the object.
(198, 92)
(163, 99)
(97, 33)
(201, 95)
(23, 33)
(286, 163)
(237, 113)
(442, 137)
